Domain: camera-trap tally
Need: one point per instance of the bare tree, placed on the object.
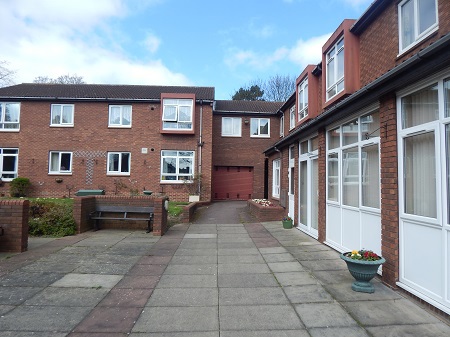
(6, 75)
(63, 79)
(279, 88)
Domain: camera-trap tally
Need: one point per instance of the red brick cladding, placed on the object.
(313, 93)
(14, 221)
(90, 135)
(244, 151)
(379, 43)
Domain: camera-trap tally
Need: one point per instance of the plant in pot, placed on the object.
(363, 266)
(287, 222)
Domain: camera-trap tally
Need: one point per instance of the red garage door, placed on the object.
(232, 182)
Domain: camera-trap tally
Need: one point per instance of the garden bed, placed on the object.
(265, 210)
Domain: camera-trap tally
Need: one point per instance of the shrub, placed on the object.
(51, 218)
(19, 187)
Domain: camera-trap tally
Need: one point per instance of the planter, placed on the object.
(287, 224)
(362, 271)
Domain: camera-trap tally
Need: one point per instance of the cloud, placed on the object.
(53, 38)
(254, 60)
(358, 3)
(308, 51)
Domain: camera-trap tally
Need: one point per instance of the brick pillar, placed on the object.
(389, 190)
(322, 219)
(160, 224)
(82, 206)
(14, 221)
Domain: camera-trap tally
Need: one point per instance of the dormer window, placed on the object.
(335, 69)
(177, 114)
(303, 99)
(417, 20)
(292, 120)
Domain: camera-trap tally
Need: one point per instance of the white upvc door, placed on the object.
(291, 176)
(308, 195)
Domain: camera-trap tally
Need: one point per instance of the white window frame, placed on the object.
(119, 170)
(303, 97)
(62, 106)
(121, 123)
(259, 134)
(236, 126)
(175, 123)
(3, 121)
(179, 177)
(292, 117)
(332, 55)
(418, 37)
(2, 156)
(276, 178)
(60, 169)
(282, 125)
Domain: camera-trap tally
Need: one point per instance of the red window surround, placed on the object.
(313, 92)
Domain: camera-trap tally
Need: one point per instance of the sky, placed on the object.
(226, 44)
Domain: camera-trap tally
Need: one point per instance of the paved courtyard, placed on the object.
(223, 275)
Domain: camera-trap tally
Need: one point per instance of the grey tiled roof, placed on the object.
(100, 91)
(247, 106)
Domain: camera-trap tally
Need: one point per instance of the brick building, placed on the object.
(365, 163)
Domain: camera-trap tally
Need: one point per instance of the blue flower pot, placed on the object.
(362, 271)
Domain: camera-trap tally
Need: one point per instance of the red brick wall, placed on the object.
(322, 162)
(244, 151)
(91, 134)
(266, 213)
(14, 221)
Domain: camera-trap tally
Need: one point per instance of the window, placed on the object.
(119, 163)
(60, 162)
(231, 126)
(62, 114)
(8, 163)
(282, 125)
(335, 69)
(120, 116)
(276, 178)
(417, 19)
(292, 120)
(177, 165)
(9, 116)
(303, 99)
(177, 114)
(260, 127)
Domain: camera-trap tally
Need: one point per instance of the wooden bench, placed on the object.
(132, 213)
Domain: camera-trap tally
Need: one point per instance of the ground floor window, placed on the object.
(177, 165)
(276, 178)
(119, 163)
(60, 162)
(8, 163)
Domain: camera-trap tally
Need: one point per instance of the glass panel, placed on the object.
(305, 94)
(292, 181)
(170, 113)
(185, 166)
(370, 125)
(447, 98)
(113, 162)
(304, 147)
(65, 161)
(333, 177)
(340, 44)
(169, 153)
(370, 176)
(12, 112)
(334, 138)
(169, 165)
(9, 163)
(226, 126)
(186, 153)
(67, 115)
(314, 143)
(185, 114)
(427, 14)
(420, 107)
(264, 127)
(303, 192)
(54, 162)
(292, 152)
(420, 175)
(350, 177)
(407, 28)
(340, 64)
(330, 74)
(447, 155)
(314, 194)
(126, 115)
(253, 127)
(350, 132)
(237, 126)
(56, 114)
(125, 164)
(114, 115)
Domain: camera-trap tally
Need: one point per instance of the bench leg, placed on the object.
(149, 225)
(97, 225)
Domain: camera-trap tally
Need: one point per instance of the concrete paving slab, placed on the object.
(296, 278)
(230, 238)
(147, 269)
(31, 334)
(325, 265)
(235, 245)
(187, 281)
(388, 312)
(324, 315)
(105, 269)
(158, 260)
(138, 282)
(240, 259)
(88, 281)
(184, 297)
(123, 297)
(260, 317)
(284, 267)
(334, 276)
(411, 330)
(231, 230)
(191, 269)
(307, 294)
(319, 255)
(273, 250)
(17, 295)
(68, 297)
(238, 251)
(246, 281)
(235, 268)
(176, 334)
(177, 319)
(195, 252)
(339, 332)
(283, 257)
(50, 267)
(207, 259)
(104, 258)
(278, 333)
(21, 278)
(344, 292)
(200, 236)
(5, 309)
(198, 245)
(252, 296)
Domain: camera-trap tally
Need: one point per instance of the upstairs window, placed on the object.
(119, 163)
(303, 99)
(120, 116)
(335, 69)
(292, 119)
(62, 115)
(231, 126)
(260, 127)
(9, 116)
(60, 162)
(282, 125)
(8, 164)
(177, 114)
(417, 19)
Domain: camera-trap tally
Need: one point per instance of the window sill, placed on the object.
(119, 126)
(226, 136)
(60, 173)
(9, 130)
(117, 174)
(172, 182)
(61, 126)
(259, 137)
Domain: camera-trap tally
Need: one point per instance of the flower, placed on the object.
(263, 202)
(363, 254)
(287, 218)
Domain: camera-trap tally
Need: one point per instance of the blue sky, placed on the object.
(225, 44)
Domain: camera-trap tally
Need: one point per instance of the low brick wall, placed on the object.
(85, 205)
(189, 211)
(14, 221)
(266, 213)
